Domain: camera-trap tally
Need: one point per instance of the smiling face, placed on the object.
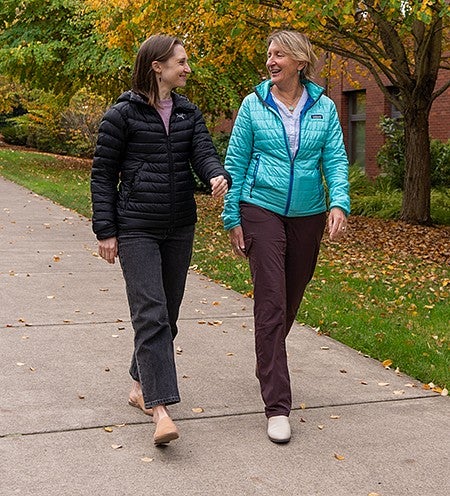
(283, 69)
(174, 71)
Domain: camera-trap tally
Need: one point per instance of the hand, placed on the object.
(108, 249)
(237, 241)
(219, 186)
(337, 223)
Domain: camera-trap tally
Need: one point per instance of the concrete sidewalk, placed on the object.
(66, 340)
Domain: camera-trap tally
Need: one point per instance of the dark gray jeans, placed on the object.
(154, 267)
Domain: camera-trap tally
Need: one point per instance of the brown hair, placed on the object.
(297, 46)
(156, 48)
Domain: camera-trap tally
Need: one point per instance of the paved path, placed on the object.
(66, 339)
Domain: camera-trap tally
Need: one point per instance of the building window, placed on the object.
(357, 127)
(394, 112)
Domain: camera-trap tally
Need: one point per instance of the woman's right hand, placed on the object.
(237, 241)
(108, 249)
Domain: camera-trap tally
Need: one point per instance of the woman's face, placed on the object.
(281, 66)
(174, 71)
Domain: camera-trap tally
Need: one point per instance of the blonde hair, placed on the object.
(297, 46)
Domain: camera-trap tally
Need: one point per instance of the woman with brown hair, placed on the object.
(144, 211)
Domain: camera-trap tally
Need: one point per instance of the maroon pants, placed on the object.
(282, 253)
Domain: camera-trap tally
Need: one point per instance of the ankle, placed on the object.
(159, 412)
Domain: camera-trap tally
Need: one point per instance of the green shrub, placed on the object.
(391, 156)
(15, 133)
(440, 164)
(53, 125)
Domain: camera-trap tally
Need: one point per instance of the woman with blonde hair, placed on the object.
(286, 145)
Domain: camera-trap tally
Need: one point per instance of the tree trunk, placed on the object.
(417, 187)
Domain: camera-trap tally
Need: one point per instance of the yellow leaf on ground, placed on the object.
(198, 410)
(146, 459)
(108, 429)
(387, 363)
(116, 446)
(339, 457)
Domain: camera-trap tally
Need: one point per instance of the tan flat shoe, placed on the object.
(139, 403)
(166, 431)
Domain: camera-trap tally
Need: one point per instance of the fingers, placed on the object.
(237, 241)
(107, 249)
(219, 186)
(337, 224)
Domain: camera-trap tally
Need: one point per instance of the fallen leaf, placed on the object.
(108, 429)
(116, 446)
(383, 383)
(216, 303)
(387, 363)
(146, 459)
(320, 427)
(81, 396)
(303, 406)
(399, 391)
(230, 354)
(339, 457)
(343, 371)
(198, 410)
(444, 392)
(179, 350)
(20, 364)
(56, 258)
(364, 383)
(335, 417)
(324, 347)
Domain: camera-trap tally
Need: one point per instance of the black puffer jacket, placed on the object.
(141, 176)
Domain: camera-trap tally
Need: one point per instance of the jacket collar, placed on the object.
(262, 90)
(179, 101)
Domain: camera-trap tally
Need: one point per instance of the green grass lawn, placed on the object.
(386, 303)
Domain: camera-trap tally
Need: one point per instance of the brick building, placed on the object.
(360, 108)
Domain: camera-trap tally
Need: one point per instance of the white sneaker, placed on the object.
(278, 429)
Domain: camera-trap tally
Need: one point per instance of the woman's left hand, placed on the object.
(337, 223)
(219, 186)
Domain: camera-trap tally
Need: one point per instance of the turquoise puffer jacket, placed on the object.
(265, 173)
